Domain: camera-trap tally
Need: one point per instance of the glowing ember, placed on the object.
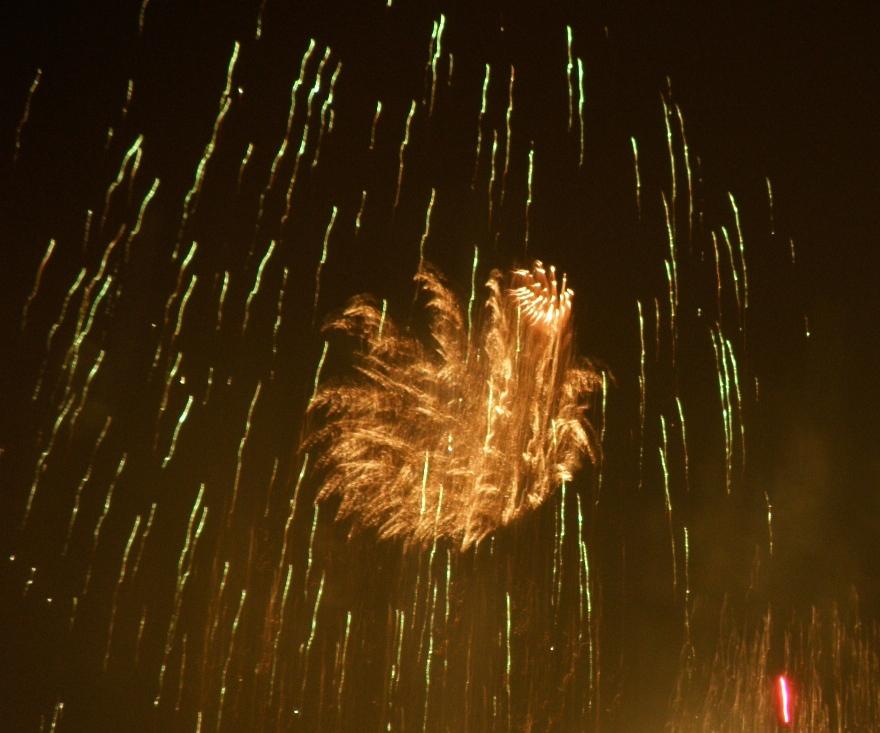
(783, 701)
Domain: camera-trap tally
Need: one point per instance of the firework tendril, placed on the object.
(459, 434)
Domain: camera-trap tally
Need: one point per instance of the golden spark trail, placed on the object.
(436, 42)
(96, 534)
(558, 549)
(657, 317)
(529, 196)
(689, 176)
(726, 405)
(322, 261)
(470, 309)
(742, 253)
(175, 294)
(145, 535)
(411, 410)
(133, 152)
(277, 639)
(129, 93)
(733, 273)
(181, 672)
(672, 272)
(734, 370)
(664, 466)
(490, 189)
(642, 390)
(360, 212)
(25, 116)
(311, 552)
(239, 458)
(306, 654)
(684, 443)
(508, 663)
(673, 178)
(278, 315)
(86, 388)
(635, 149)
(258, 281)
(224, 674)
(427, 231)
(57, 324)
(580, 68)
(163, 403)
(376, 116)
(316, 381)
(772, 215)
(568, 73)
(343, 662)
(184, 569)
(586, 597)
(482, 114)
(326, 116)
(687, 593)
(215, 613)
(172, 447)
(717, 261)
(191, 200)
(508, 135)
(291, 113)
(44, 455)
(142, 16)
(180, 311)
(245, 159)
(82, 483)
(603, 412)
(304, 138)
(407, 130)
(429, 657)
(57, 712)
(221, 301)
(33, 294)
(120, 580)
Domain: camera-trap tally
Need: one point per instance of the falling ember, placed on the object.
(784, 701)
(459, 437)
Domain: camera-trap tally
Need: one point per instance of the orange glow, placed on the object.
(466, 432)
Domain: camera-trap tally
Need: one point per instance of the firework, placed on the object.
(458, 436)
(177, 407)
(824, 677)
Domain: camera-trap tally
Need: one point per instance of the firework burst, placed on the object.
(175, 409)
(463, 435)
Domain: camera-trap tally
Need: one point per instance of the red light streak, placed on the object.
(784, 703)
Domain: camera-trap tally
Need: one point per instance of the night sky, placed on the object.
(785, 93)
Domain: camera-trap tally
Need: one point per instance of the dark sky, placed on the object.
(785, 91)
(781, 90)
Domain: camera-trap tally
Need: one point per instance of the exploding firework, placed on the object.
(166, 561)
(464, 435)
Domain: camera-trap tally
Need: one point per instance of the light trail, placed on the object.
(167, 495)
